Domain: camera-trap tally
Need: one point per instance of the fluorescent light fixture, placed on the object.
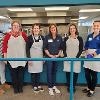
(3, 17)
(56, 20)
(19, 9)
(73, 22)
(56, 8)
(83, 17)
(89, 10)
(75, 19)
(56, 13)
(26, 14)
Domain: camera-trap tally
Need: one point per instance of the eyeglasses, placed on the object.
(16, 26)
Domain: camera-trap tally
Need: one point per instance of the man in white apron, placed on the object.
(34, 49)
(92, 47)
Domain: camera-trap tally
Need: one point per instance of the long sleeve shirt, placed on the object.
(52, 45)
(30, 42)
(72, 47)
(6, 39)
(93, 43)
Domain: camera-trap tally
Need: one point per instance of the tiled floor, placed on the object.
(28, 94)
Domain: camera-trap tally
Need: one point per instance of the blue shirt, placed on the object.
(52, 45)
(93, 43)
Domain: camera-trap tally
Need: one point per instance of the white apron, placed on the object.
(72, 50)
(2, 72)
(36, 51)
(16, 49)
(93, 65)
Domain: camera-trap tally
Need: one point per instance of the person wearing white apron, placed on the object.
(92, 47)
(14, 47)
(72, 48)
(4, 85)
(34, 49)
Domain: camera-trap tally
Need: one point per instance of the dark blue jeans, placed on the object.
(51, 73)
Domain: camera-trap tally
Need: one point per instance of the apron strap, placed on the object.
(39, 38)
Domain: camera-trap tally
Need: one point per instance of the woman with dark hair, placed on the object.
(34, 49)
(72, 48)
(52, 48)
(14, 47)
(92, 48)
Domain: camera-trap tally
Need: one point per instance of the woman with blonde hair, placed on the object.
(14, 47)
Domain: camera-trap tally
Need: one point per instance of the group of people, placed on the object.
(16, 44)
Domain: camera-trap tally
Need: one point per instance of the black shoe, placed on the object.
(20, 90)
(74, 90)
(68, 89)
(40, 89)
(89, 94)
(16, 91)
(85, 91)
(36, 90)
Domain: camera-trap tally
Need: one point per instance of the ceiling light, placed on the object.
(75, 19)
(3, 17)
(56, 13)
(26, 14)
(73, 22)
(89, 10)
(56, 8)
(19, 9)
(83, 17)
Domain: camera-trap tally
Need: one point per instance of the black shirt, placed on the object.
(30, 42)
(80, 46)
